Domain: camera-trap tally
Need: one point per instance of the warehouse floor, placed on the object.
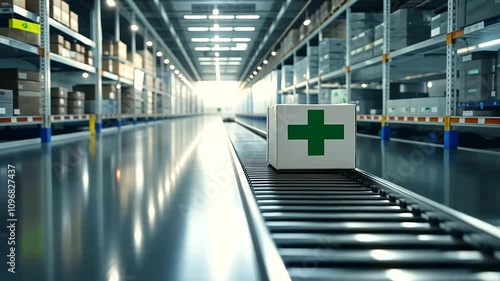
(156, 202)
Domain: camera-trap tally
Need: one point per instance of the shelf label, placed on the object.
(474, 27)
(3, 110)
(4, 41)
(24, 25)
(481, 121)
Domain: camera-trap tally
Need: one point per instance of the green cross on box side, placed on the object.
(316, 132)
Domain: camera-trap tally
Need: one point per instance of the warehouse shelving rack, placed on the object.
(46, 62)
(445, 45)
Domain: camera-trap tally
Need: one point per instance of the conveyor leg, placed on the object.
(119, 123)
(450, 139)
(46, 135)
(98, 128)
(385, 133)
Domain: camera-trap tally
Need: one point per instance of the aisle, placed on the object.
(157, 202)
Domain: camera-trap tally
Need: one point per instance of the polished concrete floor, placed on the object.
(463, 180)
(157, 202)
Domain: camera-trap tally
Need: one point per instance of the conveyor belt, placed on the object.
(349, 225)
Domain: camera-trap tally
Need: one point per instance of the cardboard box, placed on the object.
(61, 110)
(6, 108)
(65, 7)
(107, 65)
(56, 39)
(57, 49)
(108, 91)
(6, 95)
(76, 95)
(67, 45)
(20, 85)
(75, 103)
(73, 22)
(57, 93)
(59, 102)
(65, 19)
(55, 10)
(10, 3)
(32, 38)
(27, 103)
(15, 34)
(19, 74)
(294, 142)
(115, 49)
(76, 111)
(33, 6)
(108, 48)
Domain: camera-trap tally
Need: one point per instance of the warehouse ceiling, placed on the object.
(229, 32)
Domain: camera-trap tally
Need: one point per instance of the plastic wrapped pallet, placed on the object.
(477, 77)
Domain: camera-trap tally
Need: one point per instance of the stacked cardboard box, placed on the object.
(325, 10)
(337, 30)
(408, 27)
(108, 93)
(116, 49)
(307, 67)
(10, 3)
(65, 14)
(290, 40)
(362, 29)
(21, 30)
(439, 24)
(55, 10)
(131, 101)
(148, 62)
(286, 76)
(477, 77)
(315, 22)
(331, 55)
(148, 105)
(433, 106)
(6, 103)
(74, 51)
(25, 86)
(59, 102)
(136, 59)
(477, 10)
(76, 102)
(73, 22)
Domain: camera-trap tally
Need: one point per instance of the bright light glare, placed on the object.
(255, 73)
(248, 17)
(489, 43)
(429, 84)
(224, 17)
(198, 29)
(364, 85)
(118, 86)
(217, 54)
(195, 17)
(85, 75)
(200, 40)
(177, 72)
(307, 22)
(172, 67)
(215, 12)
(134, 27)
(166, 61)
(149, 43)
(244, 29)
(159, 54)
(265, 62)
(259, 68)
(273, 53)
(111, 3)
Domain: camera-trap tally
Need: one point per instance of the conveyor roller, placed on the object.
(346, 225)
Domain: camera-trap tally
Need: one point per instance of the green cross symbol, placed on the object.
(25, 25)
(316, 132)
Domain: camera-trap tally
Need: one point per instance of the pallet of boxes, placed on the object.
(59, 101)
(21, 30)
(20, 92)
(131, 101)
(109, 103)
(115, 59)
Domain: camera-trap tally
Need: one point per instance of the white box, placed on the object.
(302, 137)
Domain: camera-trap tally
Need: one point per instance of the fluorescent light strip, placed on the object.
(221, 40)
(241, 39)
(221, 63)
(200, 40)
(202, 49)
(221, 29)
(195, 17)
(198, 29)
(244, 29)
(221, 17)
(489, 43)
(248, 17)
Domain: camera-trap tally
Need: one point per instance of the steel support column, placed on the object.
(97, 37)
(46, 130)
(348, 54)
(118, 88)
(386, 75)
(450, 136)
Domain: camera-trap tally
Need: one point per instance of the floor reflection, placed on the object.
(108, 209)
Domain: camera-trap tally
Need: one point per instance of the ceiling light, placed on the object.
(226, 17)
(149, 43)
(159, 54)
(466, 50)
(221, 40)
(215, 12)
(248, 17)
(198, 29)
(222, 49)
(242, 39)
(166, 61)
(200, 40)
(216, 26)
(177, 72)
(172, 67)
(429, 84)
(118, 86)
(489, 43)
(85, 75)
(244, 29)
(273, 53)
(265, 62)
(202, 49)
(364, 85)
(307, 22)
(255, 73)
(111, 3)
(251, 76)
(206, 63)
(223, 29)
(259, 68)
(134, 27)
(217, 54)
(195, 17)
